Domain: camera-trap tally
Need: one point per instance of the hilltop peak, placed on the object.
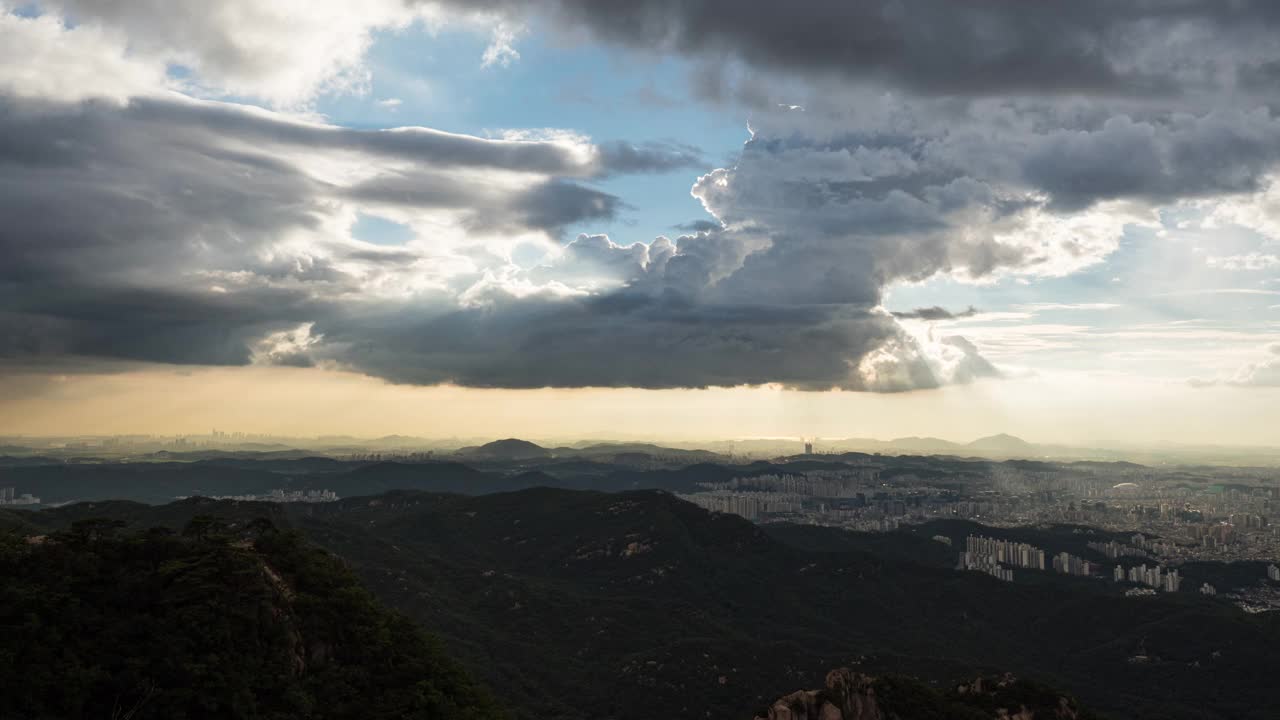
(1002, 442)
(506, 449)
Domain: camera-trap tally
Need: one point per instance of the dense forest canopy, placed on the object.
(254, 625)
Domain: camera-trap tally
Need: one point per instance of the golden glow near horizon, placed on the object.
(1064, 408)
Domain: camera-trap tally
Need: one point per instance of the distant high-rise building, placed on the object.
(808, 447)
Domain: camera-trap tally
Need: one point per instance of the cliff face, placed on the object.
(847, 696)
(850, 695)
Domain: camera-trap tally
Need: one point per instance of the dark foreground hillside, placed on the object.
(96, 622)
(639, 605)
(633, 606)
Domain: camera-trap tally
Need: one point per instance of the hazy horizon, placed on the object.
(197, 401)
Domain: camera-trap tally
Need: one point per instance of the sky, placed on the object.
(649, 218)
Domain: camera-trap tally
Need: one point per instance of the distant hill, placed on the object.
(923, 444)
(380, 477)
(1004, 444)
(154, 482)
(640, 452)
(509, 449)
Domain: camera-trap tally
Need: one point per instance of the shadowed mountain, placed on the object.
(639, 452)
(156, 482)
(923, 445)
(637, 605)
(381, 477)
(1004, 444)
(509, 449)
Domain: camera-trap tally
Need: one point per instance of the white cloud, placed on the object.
(286, 347)
(830, 203)
(1248, 261)
(1035, 307)
(912, 362)
(1218, 291)
(1264, 373)
(1258, 211)
(283, 52)
(40, 57)
(501, 50)
(1256, 374)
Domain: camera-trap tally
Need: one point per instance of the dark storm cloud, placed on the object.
(413, 144)
(656, 157)
(159, 231)
(936, 46)
(935, 313)
(97, 198)
(152, 325)
(626, 339)
(547, 205)
(556, 204)
(1223, 151)
(439, 149)
(937, 138)
(695, 226)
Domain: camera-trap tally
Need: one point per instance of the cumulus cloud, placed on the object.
(929, 138)
(283, 52)
(501, 49)
(42, 58)
(286, 347)
(1258, 211)
(202, 230)
(1264, 373)
(217, 234)
(909, 363)
(947, 48)
(843, 224)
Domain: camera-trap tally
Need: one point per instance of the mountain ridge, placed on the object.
(624, 602)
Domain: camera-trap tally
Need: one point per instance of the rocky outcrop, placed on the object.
(850, 695)
(1017, 700)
